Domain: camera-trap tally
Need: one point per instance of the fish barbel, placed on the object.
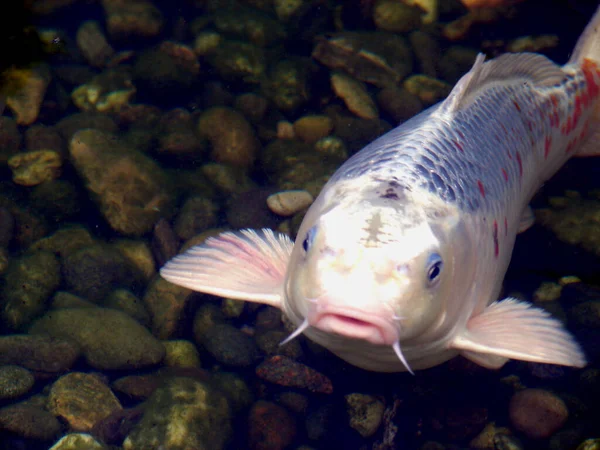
(399, 262)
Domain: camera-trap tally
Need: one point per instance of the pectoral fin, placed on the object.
(245, 265)
(516, 330)
(527, 219)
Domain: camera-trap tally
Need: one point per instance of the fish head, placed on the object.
(375, 269)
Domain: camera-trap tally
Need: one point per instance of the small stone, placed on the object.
(589, 444)
(232, 137)
(26, 102)
(312, 128)
(42, 354)
(270, 427)
(30, 281)
(429, 90)
(82, 400)
(196, 215)
(366, 413)
(109, 339)
(232, 308)
(78, 441)
(29, 422)
(287, 372)
(183, 414)
(537, 413)
(399, 103)
(132, 19)
(396, 16)
(93, 44)
(355, 95)
(181, 353)
(547, 292)
(33, 168)
(126, 301)
(206, 43)
(230, 346)
(165, 302)
(288, 203)
(235, 389)
(15, 381)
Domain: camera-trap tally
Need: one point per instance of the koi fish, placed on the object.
(399, 261)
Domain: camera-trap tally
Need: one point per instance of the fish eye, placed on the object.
(308, 239)
(434, 268)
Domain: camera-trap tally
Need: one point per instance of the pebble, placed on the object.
(230, 346)
(537, 413)
(287, 372)
(36, 167)
(355, 95)
(38, 353)
(270, 427)
(15, 381)
(82, 399)
(312, 128)
(109, 339)
(78, 441)
(29, 422)
(365, 412)
(288, 203)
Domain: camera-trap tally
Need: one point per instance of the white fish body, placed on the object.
(400, 259)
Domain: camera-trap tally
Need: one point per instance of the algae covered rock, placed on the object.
(95, 270)
(109, 339)
(29, 283)
(29, 422)
(131, 190)
(366, 413)
(15, 381)
(132, 19)
(232, 137)
(183, 414)
(33, 168)
(78, 441)
(82, 400)
(165, 302)
(43, 354)
(110, 91)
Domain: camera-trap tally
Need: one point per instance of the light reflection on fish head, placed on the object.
(370, 273)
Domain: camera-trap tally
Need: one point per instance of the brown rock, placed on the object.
(287, 372)
(38, 353)
(82, 400)
(537, 413)
(29, 422)
(270, 427)
(231, 135)
(166, 302)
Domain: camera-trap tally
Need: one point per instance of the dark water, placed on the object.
(130, 136)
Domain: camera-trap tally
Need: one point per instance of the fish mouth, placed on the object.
(356, 325)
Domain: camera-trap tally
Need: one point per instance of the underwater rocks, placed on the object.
(270, 426)
(537, 413)
(131, 190)
(109, 92)
(26, 102)
(231, 136)
(15, 381)
(109, 339)
(29, 421)
(36, 167)
(82, 400)
(130, 19)
(287, 372)
(29, 282)
(184, 413)
(44, 355)
(365, 412)
(378, 58)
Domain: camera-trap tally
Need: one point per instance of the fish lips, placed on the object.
(355, 324)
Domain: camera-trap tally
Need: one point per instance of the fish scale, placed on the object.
(399, 262)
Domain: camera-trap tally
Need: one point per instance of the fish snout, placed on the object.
(355, 324)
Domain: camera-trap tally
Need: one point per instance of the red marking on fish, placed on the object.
(481, 188)
(505, 174)
(517, 105)
(547, 145)
(518, 155)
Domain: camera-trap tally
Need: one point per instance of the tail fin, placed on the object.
(588, 45)
(587, 55)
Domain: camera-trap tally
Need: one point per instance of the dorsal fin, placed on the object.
(510, 68)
